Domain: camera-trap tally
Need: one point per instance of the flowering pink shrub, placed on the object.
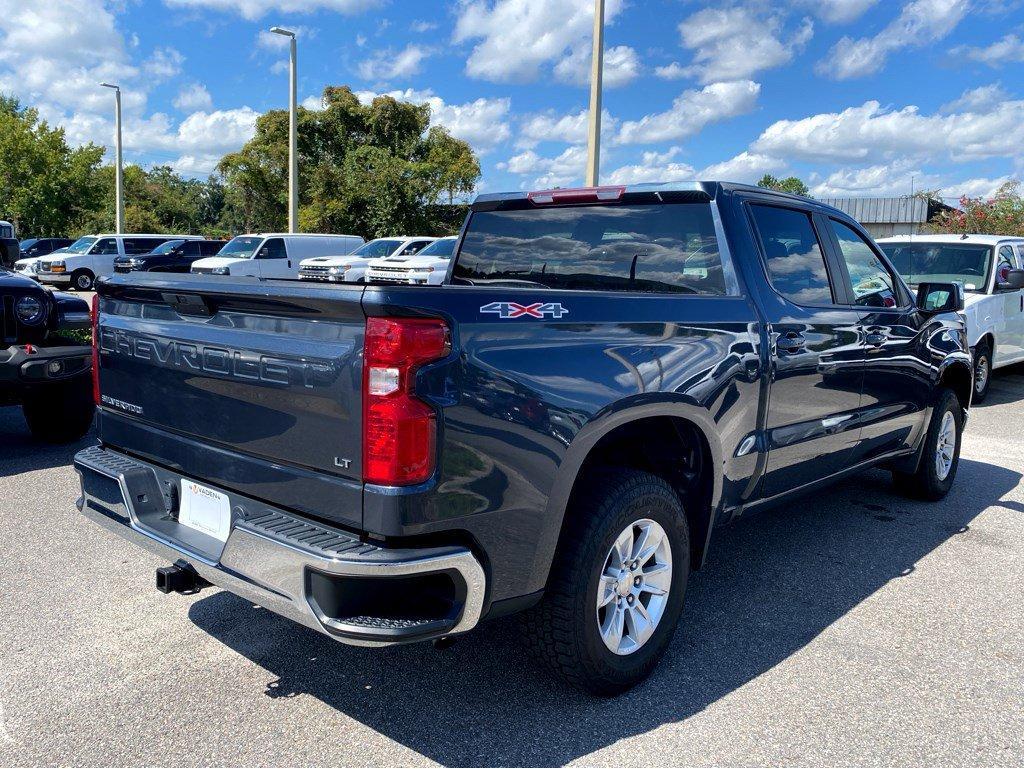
(1000, 215)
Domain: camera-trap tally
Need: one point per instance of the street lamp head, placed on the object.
(111, 85)
(282, 31)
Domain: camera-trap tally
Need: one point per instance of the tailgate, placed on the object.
(253, 386)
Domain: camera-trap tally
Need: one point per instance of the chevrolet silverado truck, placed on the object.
(607, 376)
(41, 368)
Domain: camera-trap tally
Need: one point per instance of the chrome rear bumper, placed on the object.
(303, 570)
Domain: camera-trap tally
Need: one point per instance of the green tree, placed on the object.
(157, 200)
(370, 170)
(790, 184)
(46, 187)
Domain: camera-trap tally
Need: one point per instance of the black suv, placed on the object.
(172, 256)
(42, 246)
(41, 369)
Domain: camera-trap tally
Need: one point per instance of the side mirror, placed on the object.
(1014, 280)
(934, 298)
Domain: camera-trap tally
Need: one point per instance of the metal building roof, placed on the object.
(883, 210)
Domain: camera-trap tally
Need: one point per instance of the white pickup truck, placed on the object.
(991, 269)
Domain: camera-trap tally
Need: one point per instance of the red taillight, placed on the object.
(399, 430)
(581, 195)
(96, 349)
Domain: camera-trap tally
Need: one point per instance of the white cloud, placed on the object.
(691, 112)
(53, 55)
(880, 180)
(837, 11)
(566, 129)
(484, 123)
(562, 170)
(896, 179)
(517, 39)
(871, 131)
(621, 66)
(1006, 50)
(423, 26)
(673, 71)
(254, 9)
(920, 22)
(737, 42)
(653, 167)
(389, 64)
(975, 188)
(977, 99)
(193, 97)
(747, 167)
(165, 63)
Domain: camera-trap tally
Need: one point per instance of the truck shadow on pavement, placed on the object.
(21, 453)
(773, 583)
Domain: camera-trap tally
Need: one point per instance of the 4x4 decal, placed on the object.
(513, 310)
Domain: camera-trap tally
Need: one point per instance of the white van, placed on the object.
(991, 270)
(92, 256)
(273, 255)
(351, 268)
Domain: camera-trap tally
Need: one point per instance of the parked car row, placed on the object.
(416, 260)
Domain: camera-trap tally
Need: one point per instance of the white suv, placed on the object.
(427, 268)
(352, 268)
(272, 255)
(92, 256)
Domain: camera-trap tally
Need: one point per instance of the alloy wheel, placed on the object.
(946, 446)
(635, 582)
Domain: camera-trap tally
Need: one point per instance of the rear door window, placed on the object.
(666, 248)
(794, 257)
(210, 248)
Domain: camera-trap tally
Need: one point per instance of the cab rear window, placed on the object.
(666, 248)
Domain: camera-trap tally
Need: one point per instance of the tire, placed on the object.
(564, 629)
(928, 483)
(82, 280)
(61, 412)
(982, 371)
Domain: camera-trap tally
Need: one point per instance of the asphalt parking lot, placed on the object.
(854, 628)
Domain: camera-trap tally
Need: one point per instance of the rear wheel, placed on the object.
(82, 280)
(617, 586)
(61, 412)
(982, 371)
(941, 454)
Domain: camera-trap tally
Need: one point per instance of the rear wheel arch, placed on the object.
(609, 442)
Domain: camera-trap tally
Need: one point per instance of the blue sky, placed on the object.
(855, 96)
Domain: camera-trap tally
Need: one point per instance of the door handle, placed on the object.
(791, 342)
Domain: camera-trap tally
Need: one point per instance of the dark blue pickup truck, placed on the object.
(607, 376)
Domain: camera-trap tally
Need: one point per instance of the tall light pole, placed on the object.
(118, 182)
(293, 134)
(596, 88)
